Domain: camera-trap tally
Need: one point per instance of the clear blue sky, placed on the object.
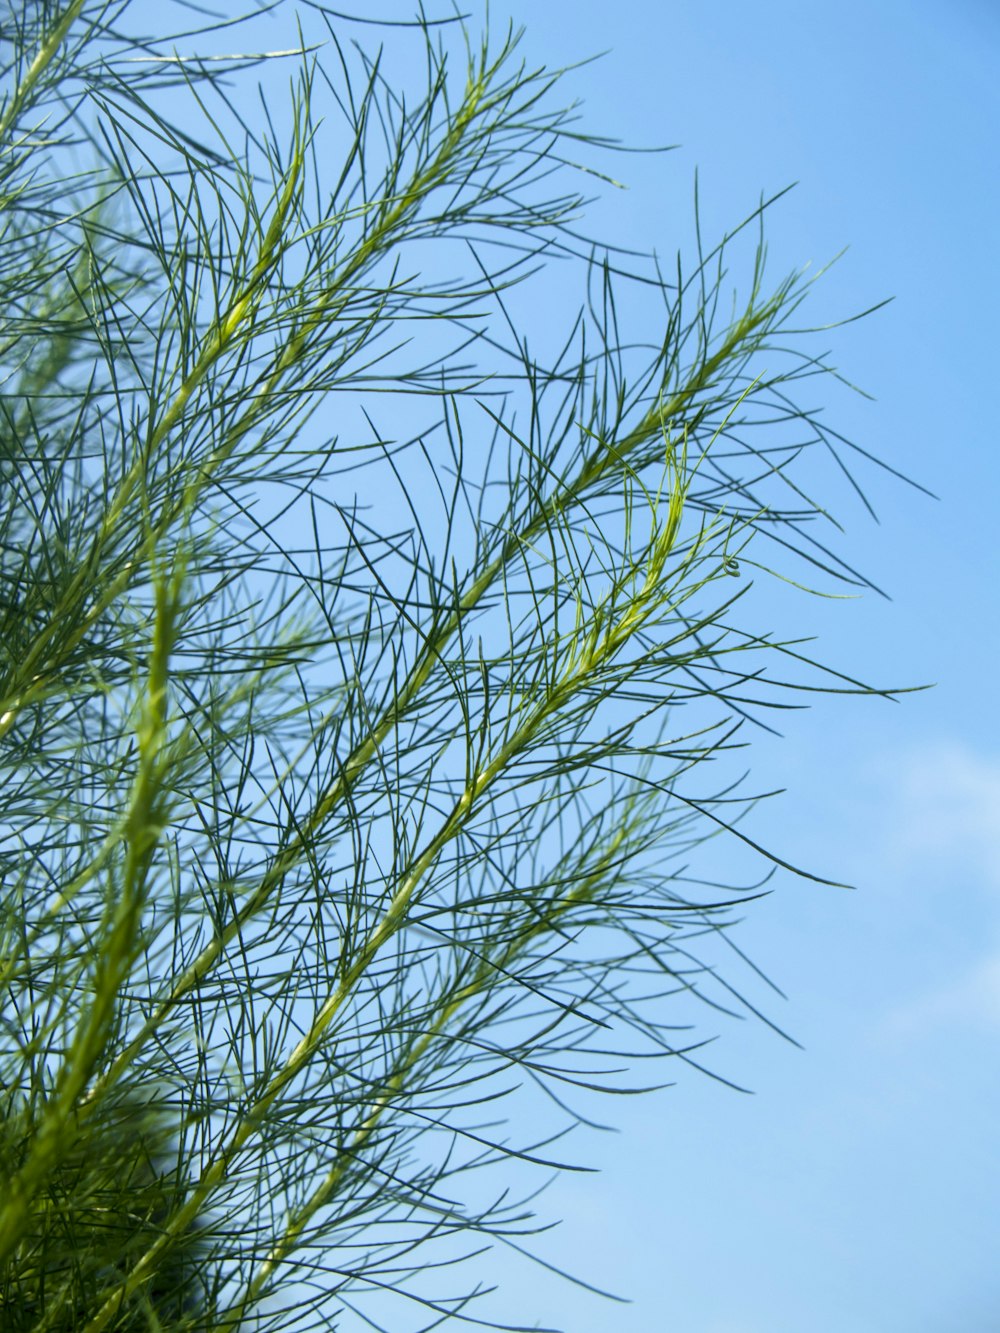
(858, 1189)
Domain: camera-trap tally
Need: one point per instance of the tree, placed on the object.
(324, 828)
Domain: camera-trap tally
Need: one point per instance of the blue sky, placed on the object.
(858, 1189)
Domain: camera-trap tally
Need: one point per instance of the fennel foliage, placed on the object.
(357, 647)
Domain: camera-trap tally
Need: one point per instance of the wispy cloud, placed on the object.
(973, 1000)
(944, 805)
(938, 809)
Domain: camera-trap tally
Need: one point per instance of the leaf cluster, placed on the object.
(353, 660)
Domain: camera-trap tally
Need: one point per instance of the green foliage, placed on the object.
(353, 659)
(101, 1207)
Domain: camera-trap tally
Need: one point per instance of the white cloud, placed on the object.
(938, 808)
(972, 1000)
(944, 806)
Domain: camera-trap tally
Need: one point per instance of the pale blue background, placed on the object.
(858, 1189)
